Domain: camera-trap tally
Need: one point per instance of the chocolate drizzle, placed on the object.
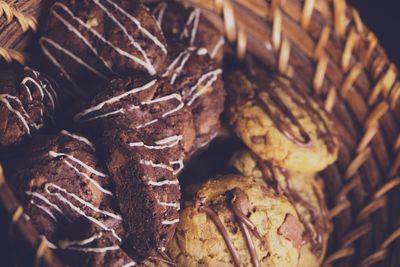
(245, 224)
(239, 206)
(221, 228)
(318, 218)
(283, 116)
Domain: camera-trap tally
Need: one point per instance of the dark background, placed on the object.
(383, 18)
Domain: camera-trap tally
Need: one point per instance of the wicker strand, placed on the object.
(342, 253)
(26, 22)
(308, 9)
(40, 251)
(2, 180)
(357, 233)
(10, 55)
(381, 254)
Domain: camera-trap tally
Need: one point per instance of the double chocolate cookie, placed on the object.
(68, 198)
(86, 42)
(146, 132)
(28, 99)
(197, 78)
(281, 123)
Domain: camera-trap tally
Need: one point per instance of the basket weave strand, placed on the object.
(22, 235)
(12, 14)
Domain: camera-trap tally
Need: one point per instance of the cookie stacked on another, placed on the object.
(87, 42)
(145, 134)
(147, 128)
(197, 78)
(237, 221)
(303, 191)
(69, 199)
(280, 122)
(273, 213)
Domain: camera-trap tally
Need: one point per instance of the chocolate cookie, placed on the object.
(69, 200)
(197, 78)
(147, 187)
(281, 123)
(303, 191)
(148, 107)
(146, 134)
(237, 221)
(28, 99)
(86, 42)
(188, 26)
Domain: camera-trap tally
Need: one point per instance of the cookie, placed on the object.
(147, 187)
(237, 221)
(110, 37)
(188, 26)
(28, 100)
(146, 134)
(141, 106)
(281, 123)
(303, 191)
(197, 78)
(68, 198)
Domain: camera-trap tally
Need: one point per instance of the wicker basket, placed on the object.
(323, 45)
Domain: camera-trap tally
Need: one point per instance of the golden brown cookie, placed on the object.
(303, 191)
(279, 122)
(237, 221)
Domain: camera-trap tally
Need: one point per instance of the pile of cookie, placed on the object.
(268, 208)
(118, 98)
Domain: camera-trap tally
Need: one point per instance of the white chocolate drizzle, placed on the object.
(170, 204)
(87, 177)
(64, 72)
(153, 38)
(167, 142)
(79, 138)
(22, 118)
(169, 222)
(193, 22)
(44, 209)
(81, 163)
(55, 187)
(76, 31)
(217, 47)
(20, 110)
(82, 249)
(68, 243)
(67, 52)
(208, 78)
(45, 200)
(129, 264)
(159, 12)
(164, 182)
(115, 99)
(146, 62)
